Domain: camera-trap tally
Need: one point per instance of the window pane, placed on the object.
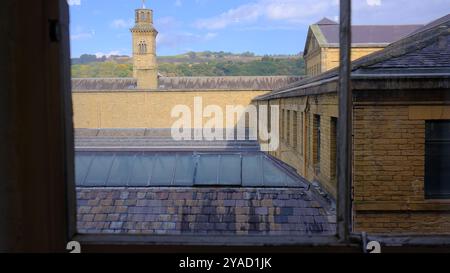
(120, 170)
(272, 175)
(184, 174)
(142, 169)
(82, 163)
(207, 170)
(230, 170)
(252, 172)
(164, 170)
(99, 170)
(437, 162)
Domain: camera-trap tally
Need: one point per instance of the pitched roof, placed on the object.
(194, 211)
(365, 34)
(326, 21)
(435, 56)
(432, 24)
(189, 83)
(426, 52)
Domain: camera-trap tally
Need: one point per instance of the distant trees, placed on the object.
(102, 70)
(194, 64)
(248, 54)
(192, 55)
(85, 59)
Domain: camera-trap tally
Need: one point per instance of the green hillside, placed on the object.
(193, 64)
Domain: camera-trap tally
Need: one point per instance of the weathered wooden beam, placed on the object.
(344, 138)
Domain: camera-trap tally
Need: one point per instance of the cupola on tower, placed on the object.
(145, 68)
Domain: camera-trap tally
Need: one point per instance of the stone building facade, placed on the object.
(145, 68)
(322, 46)
(400, 96)
(117, 103)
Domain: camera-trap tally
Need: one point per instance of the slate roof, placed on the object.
(434, 56)
(423, 54)
(221, 210)
(189, 83)
(432, 24)
(365, 34)
(188, 211)
(326, 21)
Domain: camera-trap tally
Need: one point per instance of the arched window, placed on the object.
(142, 47)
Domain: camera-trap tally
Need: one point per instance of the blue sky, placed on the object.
(261, 26)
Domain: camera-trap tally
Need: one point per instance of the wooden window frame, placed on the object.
(59, 131)
(295, 130)
(300, 133)
(316, 142)
(428, 195)
(344, 239)
(333, 147)
(288, 127)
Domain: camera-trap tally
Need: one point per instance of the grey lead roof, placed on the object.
(366, 34)
(189, 83)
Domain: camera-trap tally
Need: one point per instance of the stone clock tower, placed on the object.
(145, 68)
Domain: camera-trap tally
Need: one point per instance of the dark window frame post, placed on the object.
(344, 138)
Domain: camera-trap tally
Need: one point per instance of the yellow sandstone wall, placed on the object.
(302, 153)
(389, 165)
(135, 109)
(328, 58)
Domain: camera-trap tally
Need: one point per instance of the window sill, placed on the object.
(202, 240)
(428, 205)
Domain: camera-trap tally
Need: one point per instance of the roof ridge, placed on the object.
(389, 25)
(403, 46)
(397, 49)
(326, 21)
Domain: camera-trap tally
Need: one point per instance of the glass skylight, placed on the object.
(187, 169)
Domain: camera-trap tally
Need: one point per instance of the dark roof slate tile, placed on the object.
(224, 211)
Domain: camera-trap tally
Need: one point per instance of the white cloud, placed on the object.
(74, 2)
(167, 23)
(374, 2)
(173, 34)
(398, 11)
(292, 11)
(210, 36)
(304, 12)
(82, 35)
(101, 54)
(121, 23)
